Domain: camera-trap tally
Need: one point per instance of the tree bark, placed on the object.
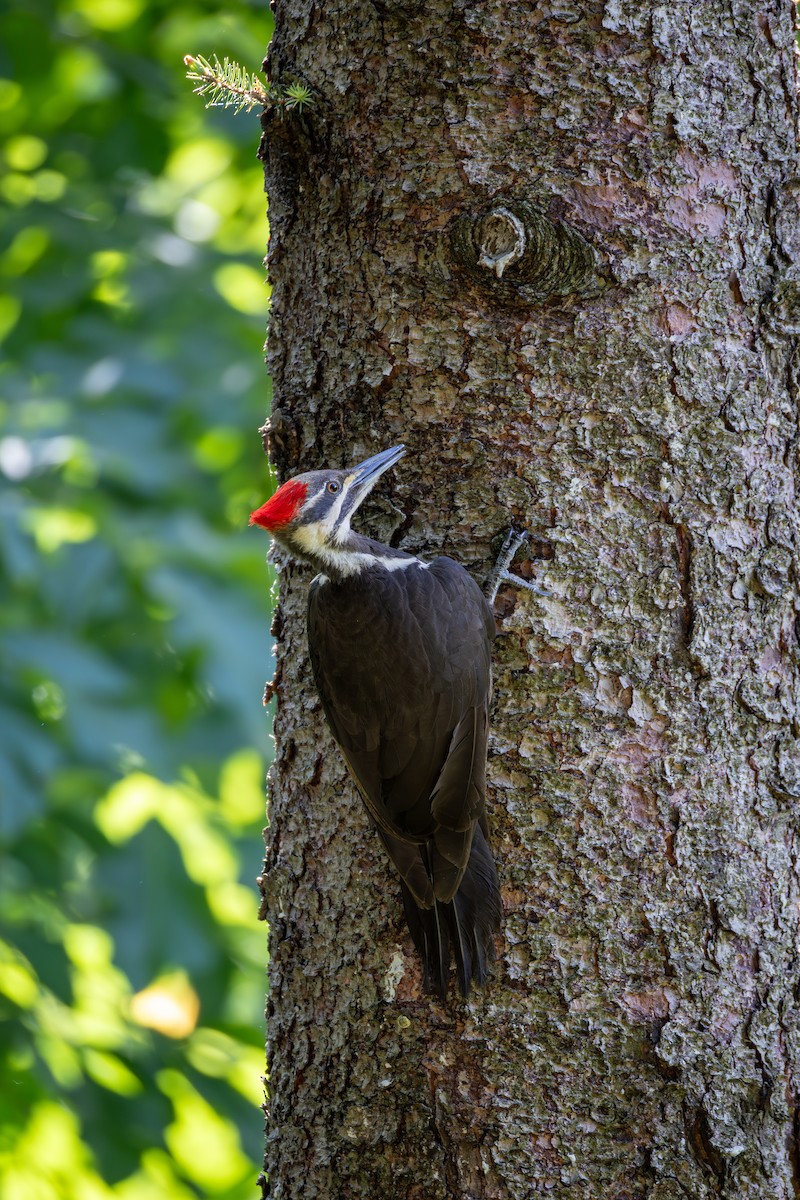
(550, 247)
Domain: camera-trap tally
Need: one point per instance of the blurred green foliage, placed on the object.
(134, 628)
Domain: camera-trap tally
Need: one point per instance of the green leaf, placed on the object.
(134, 633)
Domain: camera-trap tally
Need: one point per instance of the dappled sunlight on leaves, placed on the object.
(134, 629)
(206, 1148)
(170, 1005)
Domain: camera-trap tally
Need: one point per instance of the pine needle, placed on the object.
(228, 84)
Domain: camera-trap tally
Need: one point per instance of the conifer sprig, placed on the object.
(228, 84)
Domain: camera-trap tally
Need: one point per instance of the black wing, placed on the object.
(402, 664)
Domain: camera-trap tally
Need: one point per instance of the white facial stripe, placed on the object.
(332, 515)
(354, 561)
(343, 532)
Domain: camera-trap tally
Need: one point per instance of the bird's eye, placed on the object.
(333, 487)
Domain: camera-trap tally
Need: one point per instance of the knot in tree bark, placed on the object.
(516, 251)
(501, 240)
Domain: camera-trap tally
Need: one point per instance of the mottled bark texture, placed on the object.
(639, 1037)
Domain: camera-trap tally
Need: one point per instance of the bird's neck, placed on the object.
(352, 556)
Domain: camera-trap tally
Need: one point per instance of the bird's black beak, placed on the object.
(363, 477)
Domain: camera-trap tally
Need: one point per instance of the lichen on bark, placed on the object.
(639, 1037)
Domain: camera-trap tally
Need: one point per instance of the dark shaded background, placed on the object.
(134, 621)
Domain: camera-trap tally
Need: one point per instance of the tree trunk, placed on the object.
(548, 246)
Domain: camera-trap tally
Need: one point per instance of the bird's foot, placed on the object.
(501, 573)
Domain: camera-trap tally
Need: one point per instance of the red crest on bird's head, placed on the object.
(282, 508)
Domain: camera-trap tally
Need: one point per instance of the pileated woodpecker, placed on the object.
(400, 651)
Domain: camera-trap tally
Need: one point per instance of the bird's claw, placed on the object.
(515, 538)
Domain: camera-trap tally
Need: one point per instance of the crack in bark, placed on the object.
(445, 1143)
(685, 550)
(698, 1132)
(767, 1079)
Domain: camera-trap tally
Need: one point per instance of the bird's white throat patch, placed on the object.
(312, 538)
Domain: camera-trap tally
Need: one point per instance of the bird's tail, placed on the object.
(467, 923)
